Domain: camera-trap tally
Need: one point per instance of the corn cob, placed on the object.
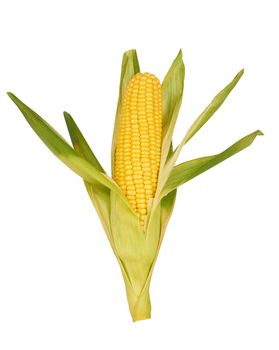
(138, 143)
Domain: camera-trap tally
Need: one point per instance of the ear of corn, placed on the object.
(138, 144)
(135, 205)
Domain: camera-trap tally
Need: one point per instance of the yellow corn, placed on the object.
(138, 143)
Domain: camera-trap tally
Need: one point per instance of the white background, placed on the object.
(215, 285)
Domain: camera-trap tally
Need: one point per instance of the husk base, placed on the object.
(139, 304)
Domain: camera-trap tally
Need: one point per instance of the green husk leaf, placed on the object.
(198, 123)
(100, 197)
(60, 147)
(137, 252)
(154, 236)
(129, 67)
(167, 205)
(80, 144)
(212, 108)
(172, 92)
(99, 194)
(124, 236)
(130, 243)
(188, 170)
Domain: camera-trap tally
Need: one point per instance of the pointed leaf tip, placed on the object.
(179, 56)
(11, 95)
(240, 73)
(67, 115)
(184, 172)
(79, 142)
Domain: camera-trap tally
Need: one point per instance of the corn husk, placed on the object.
(136, 249)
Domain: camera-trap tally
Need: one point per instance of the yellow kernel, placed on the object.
(142, 211)
(132, 193)
(141, 205)
(138, 181)
(141, 200)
